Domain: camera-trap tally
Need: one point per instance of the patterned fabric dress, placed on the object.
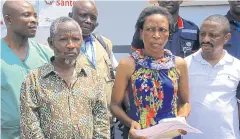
(153, 88)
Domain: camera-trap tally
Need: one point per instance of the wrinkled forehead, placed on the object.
(210, 26)
(68, 27)
(210, 23)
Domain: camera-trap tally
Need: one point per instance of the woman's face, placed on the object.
(155, 33)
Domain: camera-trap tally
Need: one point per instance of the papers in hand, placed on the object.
(167, 128)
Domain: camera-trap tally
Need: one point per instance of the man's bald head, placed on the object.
(80, 3)
(10, 7)
(85, 13)
(221, 20)
(20, 18)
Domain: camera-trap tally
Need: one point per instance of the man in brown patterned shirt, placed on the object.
(63, 99)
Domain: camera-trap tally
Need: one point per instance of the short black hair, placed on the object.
(222, 20)
(153, 10)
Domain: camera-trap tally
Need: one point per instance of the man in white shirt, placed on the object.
(214, 77)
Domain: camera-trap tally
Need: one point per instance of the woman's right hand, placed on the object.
(135, 126)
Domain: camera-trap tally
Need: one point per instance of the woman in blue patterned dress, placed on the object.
(156, 80)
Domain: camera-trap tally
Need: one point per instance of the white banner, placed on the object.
(47, 10)
(52, 9)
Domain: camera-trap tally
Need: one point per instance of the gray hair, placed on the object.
(222, 20)
(60, 20)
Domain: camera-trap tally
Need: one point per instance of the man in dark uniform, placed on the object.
(184, 35)
(233, 16)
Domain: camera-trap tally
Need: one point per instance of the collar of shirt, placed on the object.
(88, 48)
(238, 26)
(89, 41)
(226, 59)
(179, 24)
(50, 69)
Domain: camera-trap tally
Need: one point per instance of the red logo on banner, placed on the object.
(49, 2)
(1, 22)
(65, 2)
(60, 2)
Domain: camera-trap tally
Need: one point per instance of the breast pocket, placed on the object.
(188, 38)
(227, 80)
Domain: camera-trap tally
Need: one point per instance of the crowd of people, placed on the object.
(74, 88)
